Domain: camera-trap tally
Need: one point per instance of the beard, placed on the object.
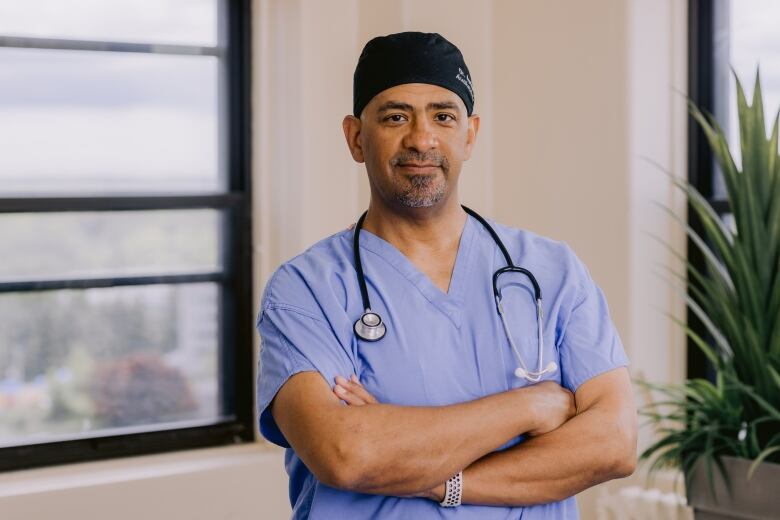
(421, 191)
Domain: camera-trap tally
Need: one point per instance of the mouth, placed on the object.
(419, 168)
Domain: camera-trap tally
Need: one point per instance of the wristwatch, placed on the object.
(453, 491)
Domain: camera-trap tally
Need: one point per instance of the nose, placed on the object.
(421, 136)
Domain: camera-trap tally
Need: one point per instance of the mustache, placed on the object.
(432, 157)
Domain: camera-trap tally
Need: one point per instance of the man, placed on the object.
(433, 410)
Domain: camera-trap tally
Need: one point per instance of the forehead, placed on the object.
(418, 95)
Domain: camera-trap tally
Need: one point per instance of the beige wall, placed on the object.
(574, 96)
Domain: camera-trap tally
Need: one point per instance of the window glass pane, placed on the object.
(730, 223)
(754, 42)
(97, 244)
(103, 122)
(163, 21)
(105, 361)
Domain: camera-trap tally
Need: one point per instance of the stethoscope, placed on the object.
(370, 326)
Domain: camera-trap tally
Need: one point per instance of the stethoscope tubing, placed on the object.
(370, 327)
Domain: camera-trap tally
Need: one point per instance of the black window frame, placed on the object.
(708, 83)
(235, 279)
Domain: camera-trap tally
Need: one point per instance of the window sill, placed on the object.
(142, 468)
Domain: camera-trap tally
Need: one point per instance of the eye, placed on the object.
(396, 118)
(444, 117)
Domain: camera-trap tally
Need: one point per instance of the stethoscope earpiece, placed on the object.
(520, 373)
(535, 377)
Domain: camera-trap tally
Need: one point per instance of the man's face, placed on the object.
(414, 139)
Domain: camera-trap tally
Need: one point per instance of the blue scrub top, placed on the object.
(440, 348)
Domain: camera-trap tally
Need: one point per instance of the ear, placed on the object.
(351, 126)
(471, 135)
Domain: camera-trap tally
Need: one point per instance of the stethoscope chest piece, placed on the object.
(370, 327)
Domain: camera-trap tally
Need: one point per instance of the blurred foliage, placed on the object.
(54, 344)
(140, 389)
(39, 330)
(69, 387)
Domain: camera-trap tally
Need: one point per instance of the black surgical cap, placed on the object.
(410, 57)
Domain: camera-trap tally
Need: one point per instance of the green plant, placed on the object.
(737, 299)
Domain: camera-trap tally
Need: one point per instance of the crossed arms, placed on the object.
(576, 441)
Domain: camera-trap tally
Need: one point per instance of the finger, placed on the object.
(358, 389)
(355, 380)
(343, 391)
(348, 397)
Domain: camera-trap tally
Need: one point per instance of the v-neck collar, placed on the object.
(449, 303)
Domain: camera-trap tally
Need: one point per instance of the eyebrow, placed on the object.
(398, 105)
(395, 105)
(444, 105)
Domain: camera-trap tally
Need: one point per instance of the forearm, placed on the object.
(403, 450)
(597, 445)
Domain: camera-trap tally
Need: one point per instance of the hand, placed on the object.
(352, 392)
(552, 404)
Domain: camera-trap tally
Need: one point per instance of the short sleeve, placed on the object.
(590, 345)
(293, 340)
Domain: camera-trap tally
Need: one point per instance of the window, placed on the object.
(724, 34)
(754, 42)
(126, 315)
